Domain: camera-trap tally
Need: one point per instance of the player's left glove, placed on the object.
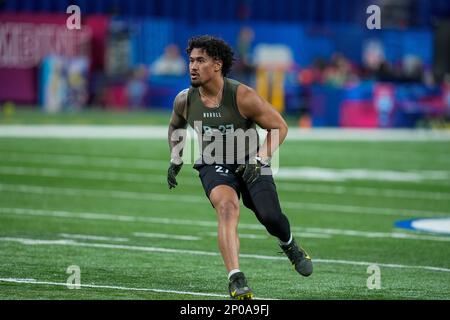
(251, 171)
(172, 173)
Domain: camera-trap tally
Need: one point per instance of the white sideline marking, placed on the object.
(83, 131)
(262, 237)
(91, 237)
(343, 134)
(160, 132)
(157, 179)
(296, 173)
(368, 234)
(33, 281)
(300, 231)
(311, 234)
(242, 235)
(202, 253)
(165, 236)
(145, 196)
(82, 160)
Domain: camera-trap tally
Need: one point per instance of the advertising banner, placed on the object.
(26, 39)
(64, 83)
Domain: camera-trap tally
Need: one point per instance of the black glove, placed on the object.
(251, 171)
(174, 169)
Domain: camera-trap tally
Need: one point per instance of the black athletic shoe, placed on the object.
(238, 287)
(299, 258)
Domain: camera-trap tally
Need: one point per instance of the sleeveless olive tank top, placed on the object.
(225, 136)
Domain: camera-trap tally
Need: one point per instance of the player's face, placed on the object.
(202, 67)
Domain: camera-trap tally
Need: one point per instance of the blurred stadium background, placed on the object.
(102, 203)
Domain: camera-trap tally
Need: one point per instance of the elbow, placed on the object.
(284, 129)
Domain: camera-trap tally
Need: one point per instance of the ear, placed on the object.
(218, 66)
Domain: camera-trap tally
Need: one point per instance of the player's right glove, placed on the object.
(172, 173)
(251, 171)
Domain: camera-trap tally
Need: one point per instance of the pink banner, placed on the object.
(18, 85)
(25, 39)
(358, 114)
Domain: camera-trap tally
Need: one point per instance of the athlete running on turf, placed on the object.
(217, 108)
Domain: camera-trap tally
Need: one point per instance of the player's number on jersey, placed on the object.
(221, 169)
(223, 129)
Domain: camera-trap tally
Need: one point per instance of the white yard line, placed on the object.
(263, 237)
(160, 132)
(325, 174)
(92, 237)
(300, 231)
(242, 235)
(85, 174)
(363, 191)
(343, 134)
(82, 160)
(146, 196)
(109, 217)
(143, 162)
(166, 236)
(157, 179)
(94, 286)
(83, 131)
(73, 243)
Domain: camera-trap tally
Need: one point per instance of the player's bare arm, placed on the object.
(177, 121)
(253, 107)
(177, 139)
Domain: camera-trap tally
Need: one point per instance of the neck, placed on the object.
(213, 87)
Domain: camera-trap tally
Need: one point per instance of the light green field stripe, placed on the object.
(149, 162)
(312, 232)
(94, 286)
(194, 181)
(147, 196)
(34, 242)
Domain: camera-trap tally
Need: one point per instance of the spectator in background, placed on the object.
(77, 94)
(340, 71)
(385, 72)
(171, 63)
(137, 88)
(373, 56)
(412, 68)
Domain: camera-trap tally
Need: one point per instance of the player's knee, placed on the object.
(228, 210)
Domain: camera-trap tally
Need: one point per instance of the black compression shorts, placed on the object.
(213, 175)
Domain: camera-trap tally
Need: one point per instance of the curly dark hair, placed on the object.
(215, 48)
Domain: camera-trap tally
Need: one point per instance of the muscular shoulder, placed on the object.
(180, 102)
(248, 101)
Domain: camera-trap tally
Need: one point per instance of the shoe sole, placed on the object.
(302, 273)
(245, 296)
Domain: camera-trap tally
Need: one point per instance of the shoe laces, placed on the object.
(293, 252)
(240, 282)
